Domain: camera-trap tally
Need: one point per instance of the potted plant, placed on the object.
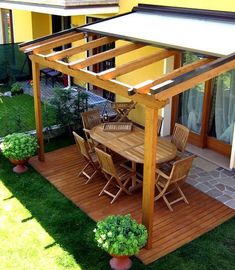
(16, 89)
(18, 148)
(121, 237)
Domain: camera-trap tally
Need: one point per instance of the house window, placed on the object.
(101, 66)
(7, 26)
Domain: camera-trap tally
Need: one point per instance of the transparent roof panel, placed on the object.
(201, 35)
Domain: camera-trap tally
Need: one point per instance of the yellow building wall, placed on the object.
(225, 5)
(22, 24)
(41, 24)
(78, 21)
(135, 77)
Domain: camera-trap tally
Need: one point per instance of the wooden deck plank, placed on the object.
(171, 229)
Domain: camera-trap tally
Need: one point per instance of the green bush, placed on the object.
(16, 89)
(68, 108)
(19, 146)
(120, 235)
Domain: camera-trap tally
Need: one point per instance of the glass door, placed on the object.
(222, 113)
(208, 110)
(191, 106)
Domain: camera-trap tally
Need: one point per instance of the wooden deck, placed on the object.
(171, 230)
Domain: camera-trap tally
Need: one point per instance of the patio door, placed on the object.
(208, 111)
(60, 23)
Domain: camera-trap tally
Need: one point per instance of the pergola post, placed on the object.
(38, 109)
(150, 144)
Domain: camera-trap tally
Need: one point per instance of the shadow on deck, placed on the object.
(171, 230)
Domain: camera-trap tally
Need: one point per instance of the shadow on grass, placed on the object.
(73, 230)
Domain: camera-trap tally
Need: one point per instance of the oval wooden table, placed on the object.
(130, 145)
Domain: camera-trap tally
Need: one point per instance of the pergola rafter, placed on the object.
(97, 58)
(78, 49)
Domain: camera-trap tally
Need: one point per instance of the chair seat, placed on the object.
(124, 173)
(161, 181)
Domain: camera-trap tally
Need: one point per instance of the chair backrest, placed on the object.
(91, 119)
(106, 162)
(123, 105)
(181, 168)
(81, 145)
(159, 124)
(180, 137)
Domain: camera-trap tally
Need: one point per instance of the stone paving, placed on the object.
(217, 182)
(93, 100)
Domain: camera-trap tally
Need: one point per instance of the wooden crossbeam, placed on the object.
(105, 55)
(78, 49)
(192, 78)
(29, 47)
(135, 64)
(144, 87)
(57, 42)
(90, 77)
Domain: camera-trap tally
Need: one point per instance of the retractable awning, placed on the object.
(197, 32)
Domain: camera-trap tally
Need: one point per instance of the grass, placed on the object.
(17, 114)
(41, 229)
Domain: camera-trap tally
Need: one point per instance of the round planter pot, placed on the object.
(20, 165)
(120, 262)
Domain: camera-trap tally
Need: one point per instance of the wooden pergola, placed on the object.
(153, 94)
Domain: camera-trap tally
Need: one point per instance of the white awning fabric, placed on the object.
(202, 35)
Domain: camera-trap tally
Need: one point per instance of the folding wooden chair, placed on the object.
(117, 175)
(90, 119)
(122, 109)
(91, 159)
(180, 137)
(167, 183)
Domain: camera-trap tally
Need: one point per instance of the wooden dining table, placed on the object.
(130, 145)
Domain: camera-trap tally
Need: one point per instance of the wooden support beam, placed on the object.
(144, 89)
(150, 145)
(191, 79)
(60, 41)
(27, 48)
(133, 65)
(38, 109)
(97, 58)
(90, 77)
(78, 49)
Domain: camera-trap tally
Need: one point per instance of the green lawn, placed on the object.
(17, 114)
(41, 229)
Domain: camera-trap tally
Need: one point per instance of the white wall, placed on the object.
(166, 111)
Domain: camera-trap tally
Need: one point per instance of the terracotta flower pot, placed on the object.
(120, 262)
(20, 165)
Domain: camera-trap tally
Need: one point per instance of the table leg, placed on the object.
(136, 183)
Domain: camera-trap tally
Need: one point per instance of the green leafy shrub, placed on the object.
(120, 235)
(16, 89)
(19, 146)
(68, 108)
